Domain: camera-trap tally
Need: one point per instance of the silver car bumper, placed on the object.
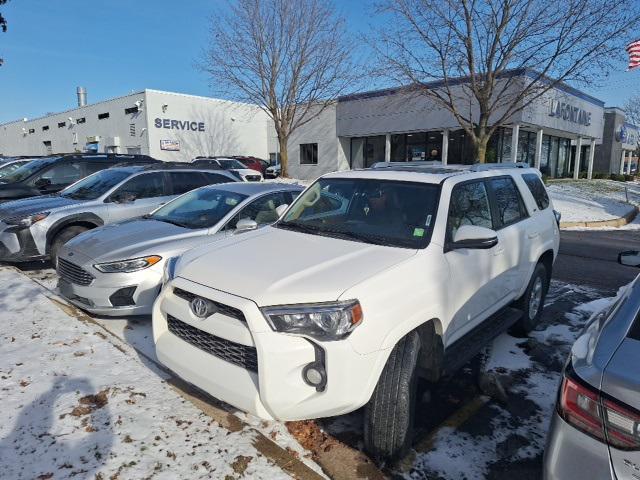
(573, 455)
(96, 297)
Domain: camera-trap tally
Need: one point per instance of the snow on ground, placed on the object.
(529, 368)
(593, 200)
(75, 405)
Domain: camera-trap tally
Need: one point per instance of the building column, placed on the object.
(623, 157)
(630, 157)
(515, 133)
(387, 147)
(592, 153)
(445, 147)
(576, 162)
(538, 156)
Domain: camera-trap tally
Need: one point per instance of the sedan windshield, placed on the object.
(381, 212)
(25, 171)
(230, 163)
(95, 185)
(202, 208)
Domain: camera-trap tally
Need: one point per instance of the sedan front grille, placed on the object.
(222, 308)
(236, 353)
(73, 273)
(252, 178)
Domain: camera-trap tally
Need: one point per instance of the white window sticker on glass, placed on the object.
(428, 222)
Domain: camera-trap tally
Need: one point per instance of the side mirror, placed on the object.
(474, 237)
(245, 225)
(281, 209)
(123, 197)
(42, 182)
(630, 258)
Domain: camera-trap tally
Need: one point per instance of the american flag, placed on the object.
(633, 49)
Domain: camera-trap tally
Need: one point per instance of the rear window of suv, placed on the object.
(536, 187)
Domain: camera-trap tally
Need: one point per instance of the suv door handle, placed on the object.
(534, 235)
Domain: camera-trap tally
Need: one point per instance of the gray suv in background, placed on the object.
(595, 429)
(35, 228)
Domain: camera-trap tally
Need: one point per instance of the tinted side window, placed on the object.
(262, 210)
(469, 206)
(147, 185)
(93, 167)
(213, 178)
(184, 182)
(509, 205)
(63, 173)
(536, 187)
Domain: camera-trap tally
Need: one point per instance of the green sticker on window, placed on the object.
(418, 232)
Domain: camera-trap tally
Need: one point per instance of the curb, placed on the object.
(614, 222)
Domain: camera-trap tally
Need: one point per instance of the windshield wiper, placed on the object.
(298, 227)
(167, 220)
(359, 237)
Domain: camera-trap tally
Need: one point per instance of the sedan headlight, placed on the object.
(324, 321)
(169, 271)
(28, 220)
(128, 266)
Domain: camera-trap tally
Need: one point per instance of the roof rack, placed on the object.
(180, 165)
(481, 167)
(412, 164)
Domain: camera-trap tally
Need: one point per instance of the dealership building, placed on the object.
(559, 130)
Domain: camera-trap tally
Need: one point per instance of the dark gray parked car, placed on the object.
(595, 430)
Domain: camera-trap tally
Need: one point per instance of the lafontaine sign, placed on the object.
(570, 113)
(171, 124)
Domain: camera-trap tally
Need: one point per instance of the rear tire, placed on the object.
(388, 417)
(61, 238)
(532, 302)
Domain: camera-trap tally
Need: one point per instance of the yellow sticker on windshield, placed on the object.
(231, 201)
(418, 232)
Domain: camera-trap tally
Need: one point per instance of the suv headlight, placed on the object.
(26, 221)
(128, 266)
(324, 321)
(169, 271)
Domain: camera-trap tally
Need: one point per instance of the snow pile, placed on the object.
(77, 406)
(593, 200)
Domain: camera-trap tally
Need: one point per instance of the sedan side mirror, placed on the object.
(281, 209)
(245, 225)
(630, 258)
(474, 237)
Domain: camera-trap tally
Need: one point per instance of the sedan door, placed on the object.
(138, 196)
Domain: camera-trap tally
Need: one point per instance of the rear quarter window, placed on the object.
(536, 187)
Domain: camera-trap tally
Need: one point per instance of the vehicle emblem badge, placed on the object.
(366, 210)
(71, 254)
(200, 307)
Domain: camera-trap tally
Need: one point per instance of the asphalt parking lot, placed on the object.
(461, 432)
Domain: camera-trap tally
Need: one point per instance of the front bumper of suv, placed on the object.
(109, 294)
(17, 244)
(235, 356)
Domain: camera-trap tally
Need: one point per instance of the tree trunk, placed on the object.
(284, 157)
(480, 145)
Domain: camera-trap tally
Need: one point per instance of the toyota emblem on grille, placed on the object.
(202, 308)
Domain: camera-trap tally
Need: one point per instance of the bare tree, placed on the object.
(632, 109)
(486, 41)
(3, 25)
(290, 57)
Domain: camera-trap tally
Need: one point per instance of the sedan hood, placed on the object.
(120, 241)
(33, 205)
(273, 266)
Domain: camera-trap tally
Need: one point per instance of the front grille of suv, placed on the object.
(240, 355)
(73, 273)
(222, 308)
(252, 178)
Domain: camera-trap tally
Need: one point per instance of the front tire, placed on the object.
(388, 417)
(532, 302)
(61, 238)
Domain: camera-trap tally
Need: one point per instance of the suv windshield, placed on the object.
(228, 163)
(201, 208)
(381, 212)
(10, 167)
(25, 171)
(95, 185)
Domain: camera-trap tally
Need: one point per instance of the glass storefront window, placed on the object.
(365, 151)
(406, 147)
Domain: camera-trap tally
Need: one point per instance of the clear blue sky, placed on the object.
(113, 47)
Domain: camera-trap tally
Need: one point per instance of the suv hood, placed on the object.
(273, 266)
(33, 205)
(130, 239)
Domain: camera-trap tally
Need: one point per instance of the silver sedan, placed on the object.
(117, 270)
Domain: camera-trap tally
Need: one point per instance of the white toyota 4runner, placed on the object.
(369, 280)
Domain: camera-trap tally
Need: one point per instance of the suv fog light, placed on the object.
(314, 375)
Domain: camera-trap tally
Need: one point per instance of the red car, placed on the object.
(253, 163)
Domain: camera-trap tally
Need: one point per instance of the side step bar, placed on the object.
(467, 347)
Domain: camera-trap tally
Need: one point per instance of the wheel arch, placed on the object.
(88, 220)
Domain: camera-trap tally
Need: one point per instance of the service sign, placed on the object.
(170, 145)
(171, 124)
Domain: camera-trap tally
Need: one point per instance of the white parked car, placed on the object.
(374, 278)
(232, 165)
